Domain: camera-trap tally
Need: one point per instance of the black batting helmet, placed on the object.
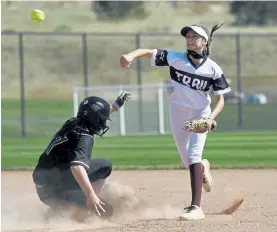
(96, 111)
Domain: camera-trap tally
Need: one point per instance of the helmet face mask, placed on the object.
(103, 130)
(96, 111)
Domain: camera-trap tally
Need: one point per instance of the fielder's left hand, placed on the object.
(121, 99)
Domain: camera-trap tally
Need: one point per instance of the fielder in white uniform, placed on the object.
(193, 76)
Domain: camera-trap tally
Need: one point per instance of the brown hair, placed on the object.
(214, 28)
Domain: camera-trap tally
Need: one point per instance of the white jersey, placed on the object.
(191, 83)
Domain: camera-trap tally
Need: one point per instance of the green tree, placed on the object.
(254, 12)
(118, 9)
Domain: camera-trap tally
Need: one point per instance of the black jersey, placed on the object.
(64, 151)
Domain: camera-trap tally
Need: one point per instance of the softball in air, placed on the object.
(37, 15)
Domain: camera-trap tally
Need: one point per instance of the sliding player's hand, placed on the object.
(121, 99)
(94, 204)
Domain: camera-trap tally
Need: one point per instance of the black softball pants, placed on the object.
(62, 187)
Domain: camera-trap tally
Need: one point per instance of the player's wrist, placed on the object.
(112, 109)
(121, 100)
(129, 56)
(90, 193)
(116, 106)
(211, 117)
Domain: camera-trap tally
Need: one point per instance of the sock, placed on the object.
(196, 179)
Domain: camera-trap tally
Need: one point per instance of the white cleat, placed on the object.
(207, 177)
(192, 212)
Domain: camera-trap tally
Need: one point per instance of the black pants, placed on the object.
(61, 186)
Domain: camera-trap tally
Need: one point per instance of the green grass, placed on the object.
(44, 117)
(224, 150)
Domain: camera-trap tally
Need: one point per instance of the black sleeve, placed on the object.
(159, 58)
(220, 85)
(81, 154)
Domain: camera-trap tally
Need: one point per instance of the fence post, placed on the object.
(161, 108)
(139, 82)
(239, 82)
(22, 87)
(122, 117)
(85, 63)
(75, 101)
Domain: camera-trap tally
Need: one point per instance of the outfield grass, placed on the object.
(224, 150)
(44, 117)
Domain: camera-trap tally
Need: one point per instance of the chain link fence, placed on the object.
(39, 71)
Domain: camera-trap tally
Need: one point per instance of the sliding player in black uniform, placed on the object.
(66, 178)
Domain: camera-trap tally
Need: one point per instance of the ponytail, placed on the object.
(75, 123)
(215, 28)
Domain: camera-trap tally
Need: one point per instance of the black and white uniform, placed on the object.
(190, 98)
(53, 177)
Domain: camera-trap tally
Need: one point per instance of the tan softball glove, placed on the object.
(201, 126)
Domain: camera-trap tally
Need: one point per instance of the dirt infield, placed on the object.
(164, 194)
